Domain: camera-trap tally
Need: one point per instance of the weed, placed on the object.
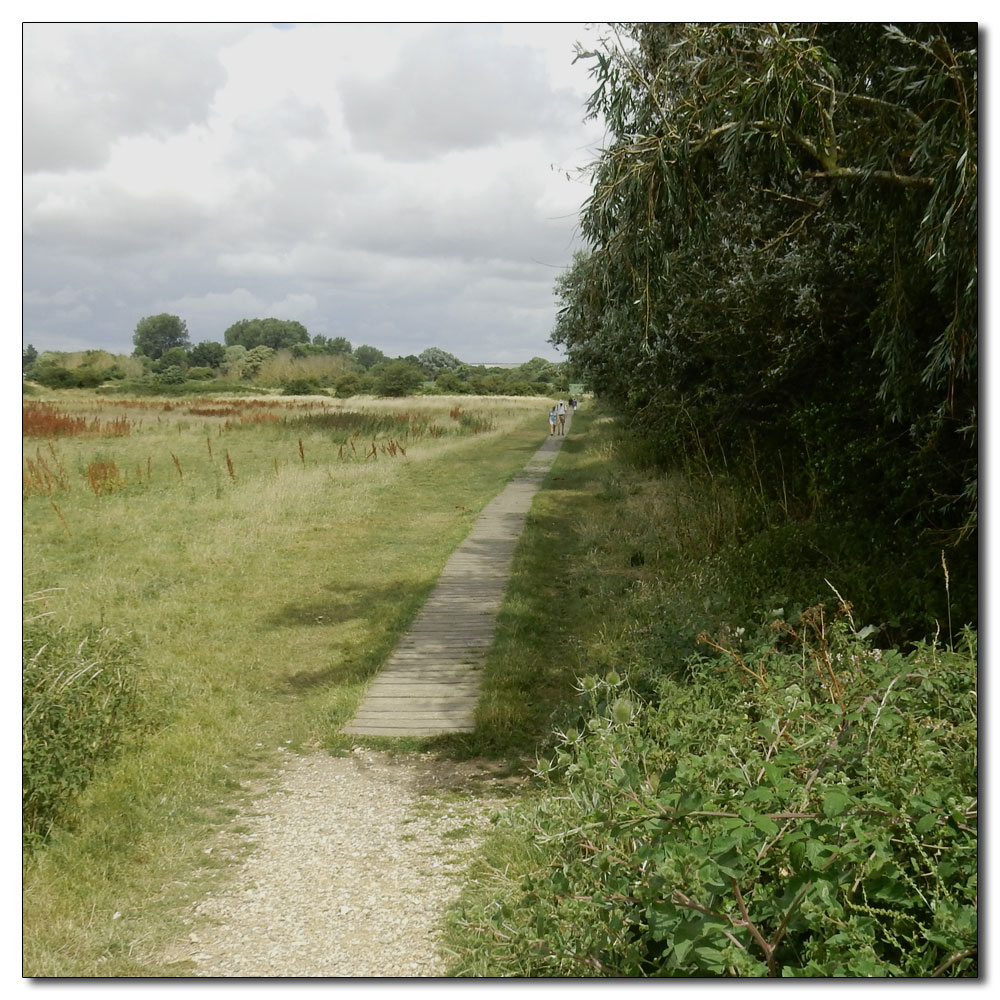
(104, 477)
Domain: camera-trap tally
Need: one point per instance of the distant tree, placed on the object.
(398, 378)
(539, 370)
(52, 375)
(434, 361)
(171, 375)
(154, 335)
(174, 357)
(448, 381)
(347, 385)
(367, 356)
(338, 345)
(254, 358)
(273, 333)
(207, 354)
(233, 359)
(28, 357)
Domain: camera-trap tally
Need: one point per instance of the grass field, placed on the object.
(265, 555)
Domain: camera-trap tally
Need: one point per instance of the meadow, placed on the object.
(249, 563)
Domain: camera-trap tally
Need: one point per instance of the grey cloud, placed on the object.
(87, 85)
(454, 89)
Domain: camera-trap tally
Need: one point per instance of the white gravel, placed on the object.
(355, 860)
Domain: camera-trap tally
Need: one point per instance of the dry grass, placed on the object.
(266, 577)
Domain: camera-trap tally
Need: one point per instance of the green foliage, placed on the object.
(171, 375)
(793, 765)
(53, 374)
(347, 386)
(155, 335)
(299, 387)
(435, 361)
(777, 207)
(796, 804)
(78, 708)
(273, 333)
(333, 345)
(28, 357)
(207, 354)
(250, 363)
(398, 378)
(366, 356)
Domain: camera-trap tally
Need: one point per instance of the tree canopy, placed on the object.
(782, 254)
(273, 333)
(155, 335)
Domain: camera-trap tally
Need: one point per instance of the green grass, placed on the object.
(262, 602)
(619, 573)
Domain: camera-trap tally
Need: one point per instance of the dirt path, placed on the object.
(355, 860)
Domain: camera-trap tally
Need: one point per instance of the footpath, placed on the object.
(431, 682)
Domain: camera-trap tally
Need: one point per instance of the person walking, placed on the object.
(552, 421)
(561, 414)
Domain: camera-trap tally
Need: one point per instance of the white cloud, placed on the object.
(397, 184)
(85, 86)
(453, 88)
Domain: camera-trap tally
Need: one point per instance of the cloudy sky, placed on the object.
(400, 185)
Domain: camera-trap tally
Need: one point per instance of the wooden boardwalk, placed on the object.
(430, 684)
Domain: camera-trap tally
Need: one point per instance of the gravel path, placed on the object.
(355, 860)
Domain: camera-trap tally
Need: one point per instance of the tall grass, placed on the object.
(263, 581)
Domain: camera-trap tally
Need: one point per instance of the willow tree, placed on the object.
(782, 252)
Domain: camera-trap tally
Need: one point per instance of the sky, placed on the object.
(400, 185)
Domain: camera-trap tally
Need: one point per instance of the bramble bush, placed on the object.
(79, 702)
(796, 802)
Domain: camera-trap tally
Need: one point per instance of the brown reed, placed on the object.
(61, 518)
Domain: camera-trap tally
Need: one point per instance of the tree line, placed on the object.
(780, 278)
(276, 353)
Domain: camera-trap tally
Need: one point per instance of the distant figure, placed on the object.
(574, 403)
(552, 421)
(561, 413)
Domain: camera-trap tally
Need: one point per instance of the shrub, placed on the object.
(171, 375)
(799, 803)
(347, 386)
(78, 706)
(52, 376)
(299, 387)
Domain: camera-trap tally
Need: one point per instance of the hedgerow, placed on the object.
(795, 802)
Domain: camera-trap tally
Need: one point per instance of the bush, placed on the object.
(299, 387)
(171, 375)
(799, 803)
(53, 376)
(347, 386)
(78, 705)
(200, 374)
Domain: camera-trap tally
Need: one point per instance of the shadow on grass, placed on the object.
(339, 604)
(394, 604)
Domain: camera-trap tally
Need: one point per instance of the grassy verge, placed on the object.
(732, 794)
(263, 568)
